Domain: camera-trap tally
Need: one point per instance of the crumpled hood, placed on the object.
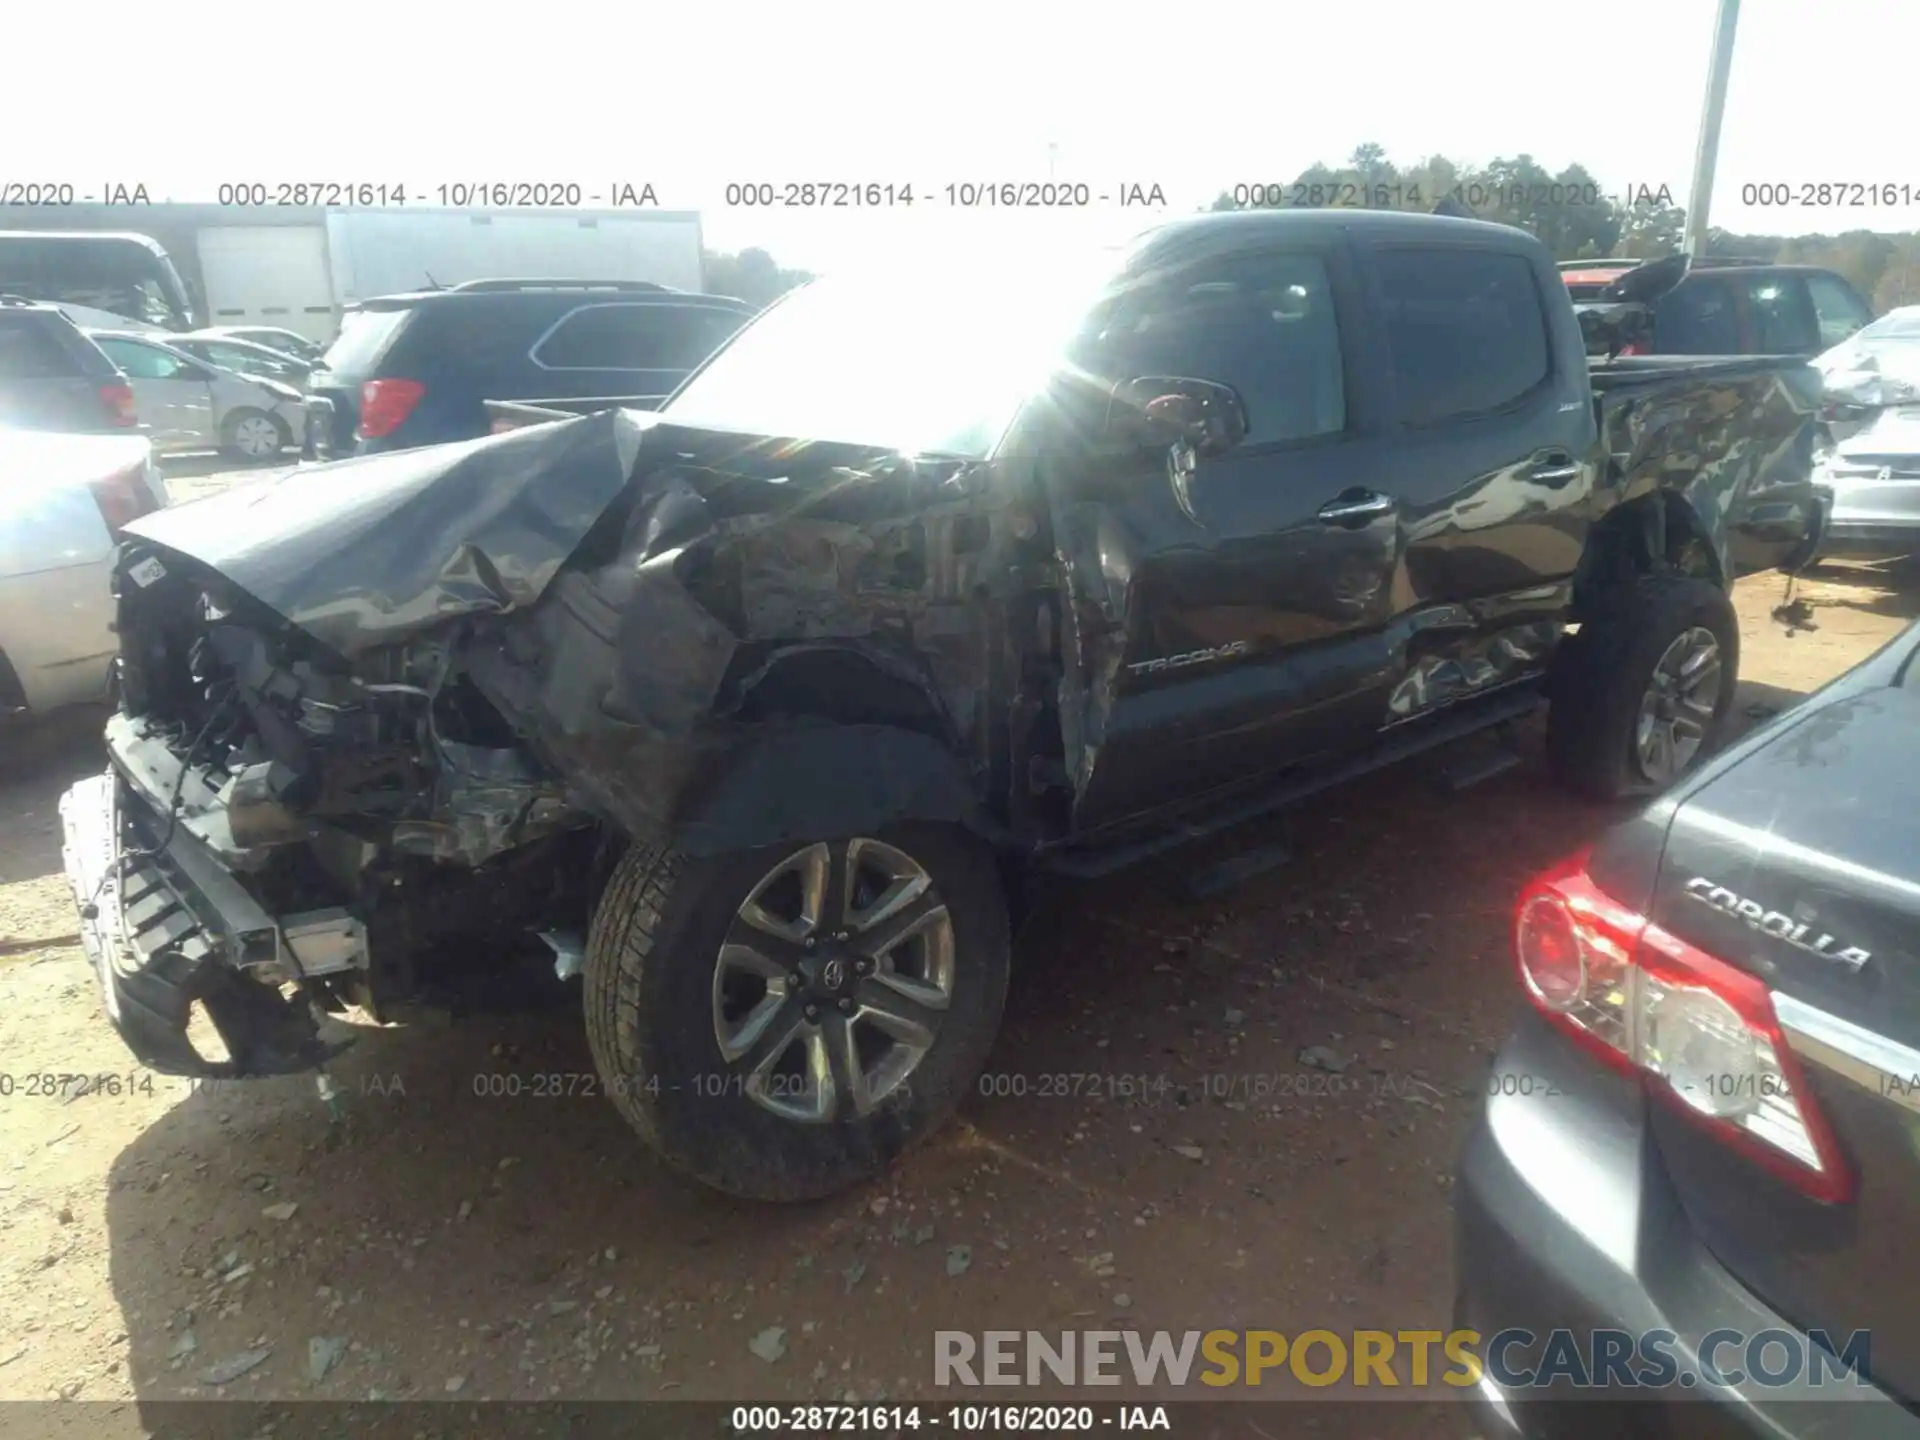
(363, 552)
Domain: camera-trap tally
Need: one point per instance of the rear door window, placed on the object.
(1781, 315)
(146, 362)
(633, 337)
(1699, 317)
(1465, 328)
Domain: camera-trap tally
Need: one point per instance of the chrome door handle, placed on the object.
(1361, 507)
(1553, 474)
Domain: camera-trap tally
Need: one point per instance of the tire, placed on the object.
(655, 976)
(1603, 676)
(242, 434)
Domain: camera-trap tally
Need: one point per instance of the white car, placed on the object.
(187, 404)
(1870, 371)
(63, 499)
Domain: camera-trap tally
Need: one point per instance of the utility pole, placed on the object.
(1709, 150)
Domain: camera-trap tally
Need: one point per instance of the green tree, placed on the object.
(751, 275)
(1650, 231)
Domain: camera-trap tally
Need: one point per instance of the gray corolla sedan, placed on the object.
(1688, 1206)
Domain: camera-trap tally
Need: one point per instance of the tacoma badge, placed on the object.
(1228, 651)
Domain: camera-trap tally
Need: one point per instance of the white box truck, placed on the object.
(299, 277)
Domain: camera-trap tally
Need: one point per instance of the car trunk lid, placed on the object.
(1801, 865)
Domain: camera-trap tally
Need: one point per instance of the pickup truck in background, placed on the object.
(750, 709)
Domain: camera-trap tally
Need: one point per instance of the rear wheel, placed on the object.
(254, 436)
(1641, 694)
(782, 1023)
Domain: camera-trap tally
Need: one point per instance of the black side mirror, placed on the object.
(1158, 412)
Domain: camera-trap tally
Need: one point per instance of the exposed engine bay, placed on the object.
(383, 809)
(368, 757)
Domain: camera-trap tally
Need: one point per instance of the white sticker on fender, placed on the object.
(146, 572)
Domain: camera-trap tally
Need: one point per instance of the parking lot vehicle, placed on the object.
(1874, 478)
(243, 357)
(1871, 461)
(52, 377)
(1729, 306)
(63, 501)
(419, 369)
(1874, 370)
(1704, 1120)
(286, 342)
(747, 706)
(187, 404)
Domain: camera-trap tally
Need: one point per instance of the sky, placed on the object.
(1192, 99)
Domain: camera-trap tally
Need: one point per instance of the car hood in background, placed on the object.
(362, 552)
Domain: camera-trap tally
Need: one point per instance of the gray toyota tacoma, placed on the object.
(751, 709)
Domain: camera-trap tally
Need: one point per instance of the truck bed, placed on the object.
(1733, 435)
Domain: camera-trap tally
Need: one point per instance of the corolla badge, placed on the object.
(1799, 934)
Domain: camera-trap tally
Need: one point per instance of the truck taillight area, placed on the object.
(1701, 1034)
(124, 497)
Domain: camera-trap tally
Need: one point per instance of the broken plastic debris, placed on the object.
(323, 1353)
(234, 1366)
(770, 1344)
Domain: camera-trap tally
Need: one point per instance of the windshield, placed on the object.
(921, 363)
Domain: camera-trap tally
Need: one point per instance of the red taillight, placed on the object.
(1699, 1032)
(1633, 347)
(118, 399)
(385, 405)
(123, 497)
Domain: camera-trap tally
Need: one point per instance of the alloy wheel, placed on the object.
(1678, 706)
(833, 980)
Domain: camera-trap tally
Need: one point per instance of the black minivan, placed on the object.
(419, 369)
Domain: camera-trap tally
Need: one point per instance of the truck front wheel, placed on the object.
(1641, 694)
(782, 1023)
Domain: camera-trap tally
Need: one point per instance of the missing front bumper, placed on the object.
(169, 930)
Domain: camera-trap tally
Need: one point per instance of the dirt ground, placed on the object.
(445, 1242)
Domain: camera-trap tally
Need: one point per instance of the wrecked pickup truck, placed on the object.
(750, 709)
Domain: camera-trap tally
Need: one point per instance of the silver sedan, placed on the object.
(186, 404)
(63, 499)
(1874, 475)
